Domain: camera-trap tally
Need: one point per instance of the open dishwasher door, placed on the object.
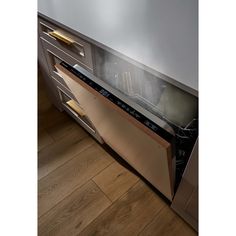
(148, 136)
(145, 145)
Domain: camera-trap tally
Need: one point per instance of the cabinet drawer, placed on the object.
(71, 44)
(73, 107)
(54, 55)
(62, 87)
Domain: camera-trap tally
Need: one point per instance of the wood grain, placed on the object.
(128, 215)
(50, 116)
(115, 180)
(44, 139)
(43, 100)
(75, 212)
(65, 179)
(44, 106)
(60, 152)
(167, 223)
(64, 127)
(150, 157)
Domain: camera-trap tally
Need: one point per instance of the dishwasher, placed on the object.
(148, 121)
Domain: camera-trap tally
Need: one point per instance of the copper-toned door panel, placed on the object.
(147, 152)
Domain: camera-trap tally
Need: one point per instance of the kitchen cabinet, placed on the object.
(54, 49)
(70, 44)
(44, 70)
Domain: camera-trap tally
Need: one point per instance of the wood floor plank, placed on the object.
(75, 212)
(44, 106)
(61, 151)
(65, 179)
(63, 127)
(50, 116)
(128, 215)
(44, 139)
(42, 95)
(115, 180)
(168, 223)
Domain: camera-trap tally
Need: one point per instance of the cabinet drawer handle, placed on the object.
(58, 35)
(72, 104)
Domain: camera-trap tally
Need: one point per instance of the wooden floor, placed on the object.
(82, 190)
